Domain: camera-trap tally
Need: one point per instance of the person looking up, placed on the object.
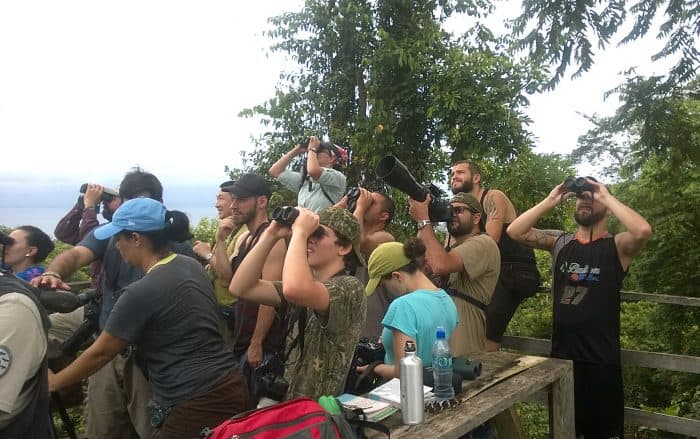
(519, 278)
(319, 289)
(319, 184)
(588, 268)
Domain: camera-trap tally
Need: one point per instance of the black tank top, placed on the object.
(586, 300)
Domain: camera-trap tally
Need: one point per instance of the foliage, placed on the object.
(555, 31)
(205, 230)
(384, 78)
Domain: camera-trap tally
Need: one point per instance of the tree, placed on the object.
(555, 31)
(385, 78)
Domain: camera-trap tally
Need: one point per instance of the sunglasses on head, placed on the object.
(461, 209)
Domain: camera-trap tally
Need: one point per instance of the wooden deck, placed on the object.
(506, 379)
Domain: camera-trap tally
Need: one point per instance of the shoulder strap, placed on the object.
(482, 220)
(559, 244)
(456, 293)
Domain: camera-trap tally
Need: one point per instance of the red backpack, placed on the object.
(300, 418)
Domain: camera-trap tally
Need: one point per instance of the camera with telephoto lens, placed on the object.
(107, 193)
(391, 170)
(353, 195)
(270, 379)
(285, 215)
(577, 185)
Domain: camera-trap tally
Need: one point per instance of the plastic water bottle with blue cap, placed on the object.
(442, 366)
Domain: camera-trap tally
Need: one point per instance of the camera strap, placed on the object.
(300, 317)
(456, 293)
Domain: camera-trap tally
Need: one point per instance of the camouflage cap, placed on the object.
(469, 200)
(345, 224)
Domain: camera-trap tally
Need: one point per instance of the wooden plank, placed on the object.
(673, 424)
(474, 410)
(660, 298)
(561, 405)
(653, 360)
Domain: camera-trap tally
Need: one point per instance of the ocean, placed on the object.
(46, 218)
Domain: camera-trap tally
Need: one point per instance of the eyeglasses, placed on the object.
(461, 209)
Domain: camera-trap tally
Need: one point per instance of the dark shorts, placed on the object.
(188, 419)
(499, 312)
(599, 400)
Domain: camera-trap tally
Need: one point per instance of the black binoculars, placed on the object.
(285, 215)
(353, 194)
(577, 185)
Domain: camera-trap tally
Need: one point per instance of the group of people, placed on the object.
(190, 335)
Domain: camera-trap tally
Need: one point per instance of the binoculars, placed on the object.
(285, 215)
(577, 185)
(353, 194)
(107, 193)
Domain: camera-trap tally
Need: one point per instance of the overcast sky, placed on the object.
(89, 89)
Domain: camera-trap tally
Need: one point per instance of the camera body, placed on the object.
(270, 378)
(353, 195)
(285, 215)
(366, 352)
(107, 193)
(577, 185)
(391, 170)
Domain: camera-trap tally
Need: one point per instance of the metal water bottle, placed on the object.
(411, 383)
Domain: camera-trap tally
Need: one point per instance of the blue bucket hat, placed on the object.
(136, 215)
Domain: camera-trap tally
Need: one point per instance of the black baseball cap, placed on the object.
(249, 185)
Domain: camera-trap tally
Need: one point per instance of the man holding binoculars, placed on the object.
(589, 266)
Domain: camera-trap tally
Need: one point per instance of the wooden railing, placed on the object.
(654, 360)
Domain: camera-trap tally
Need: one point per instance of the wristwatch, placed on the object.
(422, 223)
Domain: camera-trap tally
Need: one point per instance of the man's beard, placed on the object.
(466, 187)
(244, 217)
(461, 229)
(588, 219)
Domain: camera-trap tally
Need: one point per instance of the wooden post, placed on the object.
(561, 405)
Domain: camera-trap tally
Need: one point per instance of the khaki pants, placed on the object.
(116, 400)
(62, 327)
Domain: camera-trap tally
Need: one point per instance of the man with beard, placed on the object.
(519, 278)
(258, 332)
(471, 266)
(588, 269)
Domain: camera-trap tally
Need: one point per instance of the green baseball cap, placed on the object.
(342, 222)
(386, 258)
(469, 200)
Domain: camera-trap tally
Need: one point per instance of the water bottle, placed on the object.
(442, 366)
(411, 384)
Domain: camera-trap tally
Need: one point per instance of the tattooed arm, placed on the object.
(499, 210)
(522, 228)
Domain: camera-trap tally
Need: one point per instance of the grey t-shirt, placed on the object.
(116, 274)
(311, 192)
(171, 316)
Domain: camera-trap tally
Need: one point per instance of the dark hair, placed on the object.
(389, 206)
(37, 238)
(350, 260)
(413, 248)
(177, 229)
(473, 167)
(139, 183)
